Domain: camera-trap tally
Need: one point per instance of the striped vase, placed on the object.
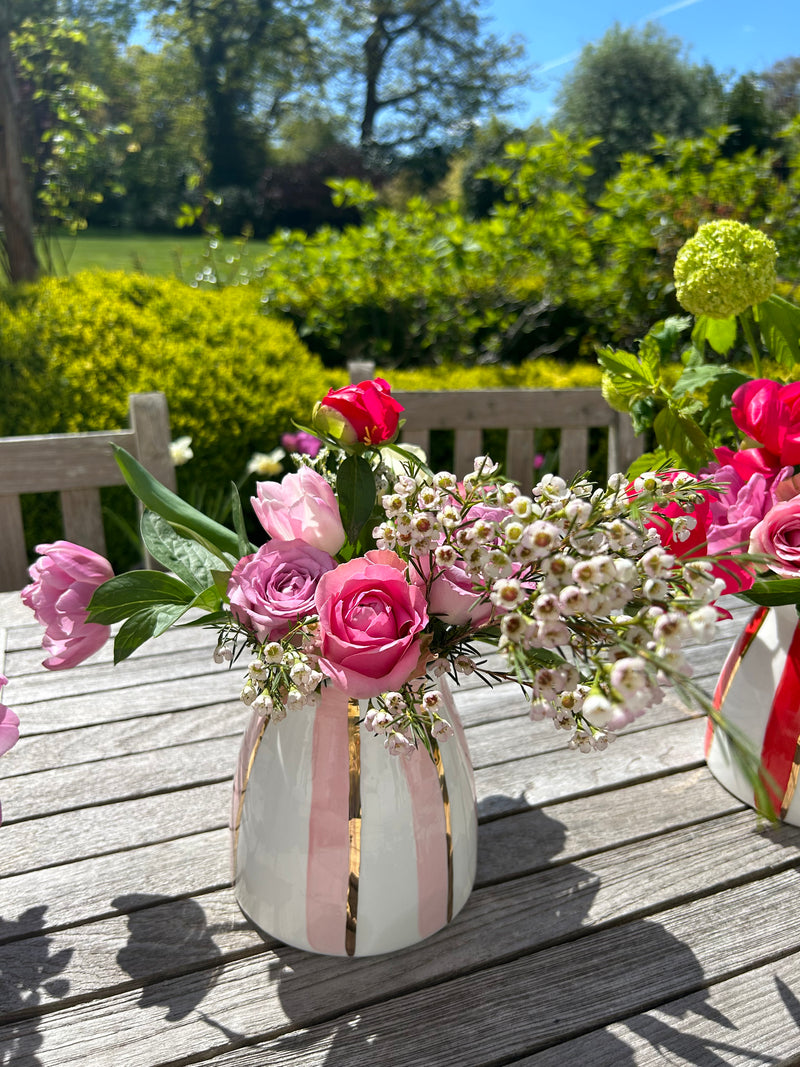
(758, 691)
(341, 848)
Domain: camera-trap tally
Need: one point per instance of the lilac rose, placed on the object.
(273, 589)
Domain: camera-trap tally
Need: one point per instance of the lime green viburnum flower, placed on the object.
(724, 269)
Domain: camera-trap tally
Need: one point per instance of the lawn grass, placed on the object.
(177, 255)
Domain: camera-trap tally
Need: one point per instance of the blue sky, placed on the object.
(732, 35)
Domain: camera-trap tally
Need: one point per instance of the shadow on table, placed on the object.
(513, 1013)
(28, 970)
(166, 936)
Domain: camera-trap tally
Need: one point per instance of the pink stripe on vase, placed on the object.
(430, 838)
(328, 833)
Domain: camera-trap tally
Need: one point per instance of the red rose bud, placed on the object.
(365, 414)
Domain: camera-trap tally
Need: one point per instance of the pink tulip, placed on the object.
(778, 536)
(9, 724)
(65, 577)
(302, 506)
(273, 589)
(371, 625)
(769, 413)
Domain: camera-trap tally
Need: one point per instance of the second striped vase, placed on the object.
(339, 847)
(758, 692)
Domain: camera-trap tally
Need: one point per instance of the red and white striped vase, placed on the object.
(758, 691)
(339, 847)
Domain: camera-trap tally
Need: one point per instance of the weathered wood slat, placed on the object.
(487, 1004)
(497, 1015)
(86, 745)
(519, 412)
(76, 466)
(734, 1022)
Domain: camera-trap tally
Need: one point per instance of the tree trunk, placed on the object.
(16, 211)
(374, 55)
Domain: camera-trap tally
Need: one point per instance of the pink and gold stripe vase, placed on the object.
(758, 691)
(339, 847)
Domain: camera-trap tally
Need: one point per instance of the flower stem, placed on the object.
(747, 326)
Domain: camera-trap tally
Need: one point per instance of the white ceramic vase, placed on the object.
(341, 848)
(758, 692)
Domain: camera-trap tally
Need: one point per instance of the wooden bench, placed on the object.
(77, 466)
(519, 412)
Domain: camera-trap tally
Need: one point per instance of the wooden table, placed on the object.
(627, 909)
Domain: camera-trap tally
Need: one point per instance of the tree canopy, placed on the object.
(632, 85)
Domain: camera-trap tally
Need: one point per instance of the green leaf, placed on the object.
(772, 592)
(627, 365)
(700, 377)
(414, 462)
(169, 505)
(779, 322)
(355, 485)
(140, 627)
(238, 521)
(720, 333)
(185, 557)
(127, 594)
(682, 438)
(648, 461)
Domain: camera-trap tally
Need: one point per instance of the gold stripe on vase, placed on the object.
(437, 759)
(353, 824)
(240, 809)
(791, 785)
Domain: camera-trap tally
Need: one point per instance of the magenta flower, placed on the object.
(303, 507)
(769, 413)
(453, 597)
(64, 579)
(273, 589)
(306, 444)
(371, 625)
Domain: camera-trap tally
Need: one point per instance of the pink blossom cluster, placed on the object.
(590, 609)
(758, 506)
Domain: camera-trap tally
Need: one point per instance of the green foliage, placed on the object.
(410, 286)
(72, 349)
(632, 85)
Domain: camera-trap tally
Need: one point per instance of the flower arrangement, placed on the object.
(738, 431)
(379, 576)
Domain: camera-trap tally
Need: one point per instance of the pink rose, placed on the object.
(364, 414)
(273, 589)
(452, 597)
(778, 536)
(371, 624)
(64, 579)
(306, 444)
(769, 413)
(302, 507)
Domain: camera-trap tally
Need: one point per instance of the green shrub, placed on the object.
(72, 349)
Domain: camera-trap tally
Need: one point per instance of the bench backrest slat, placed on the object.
(76, 466)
